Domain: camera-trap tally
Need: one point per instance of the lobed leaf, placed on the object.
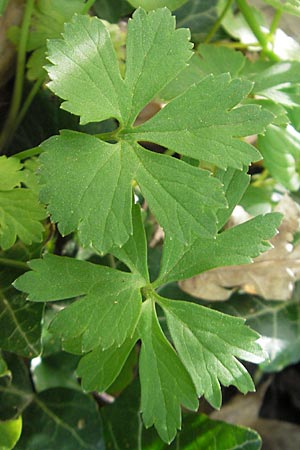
(162, 392)
(109, 307)
(237, 245)
(208, 344)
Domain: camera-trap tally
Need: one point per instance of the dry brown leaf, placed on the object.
(271, 275)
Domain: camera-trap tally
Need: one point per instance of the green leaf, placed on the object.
(209, 344)
(20, 212)
(218, 60)
(134, 252)
(280, 148)
(90, 172)
(10, 175)
(15, 388)
(74, 174)
(10, 432)
(276, 321)
(109, 305)
(237, 245)
(112, 10)
(122, 429)
(100, 368)
(47, 22)
(235, 183)
(209, 124)
(162, 392)
(55, 418)
(20, 216)
(276, 81)
(287, 6)
(199, 17)
(148, 5)
(61, 418)
(20, 324)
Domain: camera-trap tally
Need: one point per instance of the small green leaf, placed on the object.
(209, 123)
(99, 368)
(20, 324)
(165, 384)
(10, 432)
(237, 245)
(208, 345)
(280, 148)
(218, 60)
(275, 81)
(20, 212)
(10, 175)
(109, 307)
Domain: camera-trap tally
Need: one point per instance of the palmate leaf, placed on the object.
(109, 317)
(236, 245)
(162, 394)
(208, 345)
(94, 178)
(109, 308)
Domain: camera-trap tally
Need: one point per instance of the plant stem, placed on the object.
(19, 77)
(275, 22)
(262, 38)
(33, 91)
(6, 262)
(87, 6)
(218, 22)
(28, 153)
(109, 136)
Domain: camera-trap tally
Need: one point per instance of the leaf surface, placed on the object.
(203, 123)
(209, 344)
(162, 392)
(106, 313)
(237, 245)
(104, 173)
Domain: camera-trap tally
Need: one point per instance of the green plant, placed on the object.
(102, 187)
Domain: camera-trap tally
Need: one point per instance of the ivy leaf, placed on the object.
(276, 321)
(162, 393)
(20, 211)
(280, 148)
(209, 123)
(209, 344)
(55, 418)
(20, 324)
(236, 245)
(109, 307)
(75, 174)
